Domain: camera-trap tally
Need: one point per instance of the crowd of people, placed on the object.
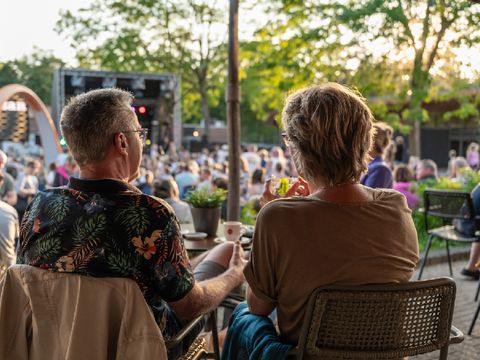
(350, 176)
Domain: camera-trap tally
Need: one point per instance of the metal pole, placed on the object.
(233, 117)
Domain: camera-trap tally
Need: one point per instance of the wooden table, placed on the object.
(198, 246)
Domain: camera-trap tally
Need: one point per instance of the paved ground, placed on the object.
(464, 310)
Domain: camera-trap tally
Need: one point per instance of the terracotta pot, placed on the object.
(206, 219)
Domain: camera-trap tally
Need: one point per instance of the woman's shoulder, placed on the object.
(282, 205)
(387, 195)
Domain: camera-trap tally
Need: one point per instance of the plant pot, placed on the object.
(206, 219)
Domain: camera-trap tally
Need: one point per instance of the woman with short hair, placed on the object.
(336, 231)
(379, 173)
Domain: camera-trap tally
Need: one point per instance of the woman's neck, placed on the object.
(348, 192)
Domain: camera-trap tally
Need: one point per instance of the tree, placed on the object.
(419, 30)
(440, 24)
(186, 37)
(34, 71)
(284, 55)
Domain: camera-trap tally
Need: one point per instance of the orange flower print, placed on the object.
(146, 247)
(65, 264)
(36, 225)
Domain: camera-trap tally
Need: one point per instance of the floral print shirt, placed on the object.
(108, 228)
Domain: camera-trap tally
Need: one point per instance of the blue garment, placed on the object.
(252, 337)
(468, 227)
(379, 175)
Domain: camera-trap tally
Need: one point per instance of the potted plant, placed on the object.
(206, 208)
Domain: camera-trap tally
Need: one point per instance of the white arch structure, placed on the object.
(48, 132)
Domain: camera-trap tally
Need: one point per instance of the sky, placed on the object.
(25, 24)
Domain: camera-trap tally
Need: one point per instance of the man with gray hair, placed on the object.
(426, 171)
(7, 189)
(100, 225)
(8, 234)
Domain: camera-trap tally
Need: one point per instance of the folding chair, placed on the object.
(447, 205)
(379, 321)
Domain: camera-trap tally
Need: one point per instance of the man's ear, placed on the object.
(120, 142)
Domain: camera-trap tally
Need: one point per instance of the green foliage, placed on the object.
(248, 214)
(206, 199)
(49, 245)
(471, 179)
(57, 208)
(178, 37)
(34, 71)
(122, 263)
(89, 228)
(134, 219)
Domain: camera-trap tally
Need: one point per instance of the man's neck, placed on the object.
(103, 170)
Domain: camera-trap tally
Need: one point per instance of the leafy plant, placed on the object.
(284, 186)
(470, 180)
(248, 214)
(206, 199)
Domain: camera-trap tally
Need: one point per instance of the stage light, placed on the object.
(142, 109)
(148, 142)
(195, 133)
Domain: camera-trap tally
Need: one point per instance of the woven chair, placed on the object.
(198, 348)
(379, 321)
(447, 205)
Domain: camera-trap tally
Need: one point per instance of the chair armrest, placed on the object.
(456, 336)
(177, 339)
(231, 301)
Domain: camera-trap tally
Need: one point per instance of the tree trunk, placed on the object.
(233, 117)
(419, 86)
(205, 112)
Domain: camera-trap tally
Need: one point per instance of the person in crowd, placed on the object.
(276, 157)
(27, 187)
(403, 176)
(473, 157)
(8, 192)
(452, 155)
(65, 171)
(167, 189)
(103, 226)
(205, 179)
(244, 180)
(221, 182)
(187, 178)
(469, 228)
(146, 186)
(344, 232)
(389, 155)
(252, 158)
(426, 171)
(399, 150)
(258, 182)
(52, 171)
(379, 174)
(459, 166)
(264, 158)
(8, 234)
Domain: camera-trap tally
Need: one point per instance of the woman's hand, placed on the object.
(299, 188)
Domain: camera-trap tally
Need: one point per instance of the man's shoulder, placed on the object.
(8, 182)
(6, 209)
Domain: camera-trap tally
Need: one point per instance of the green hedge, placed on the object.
(470, 179)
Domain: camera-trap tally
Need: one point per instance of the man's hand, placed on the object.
(237, 261)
